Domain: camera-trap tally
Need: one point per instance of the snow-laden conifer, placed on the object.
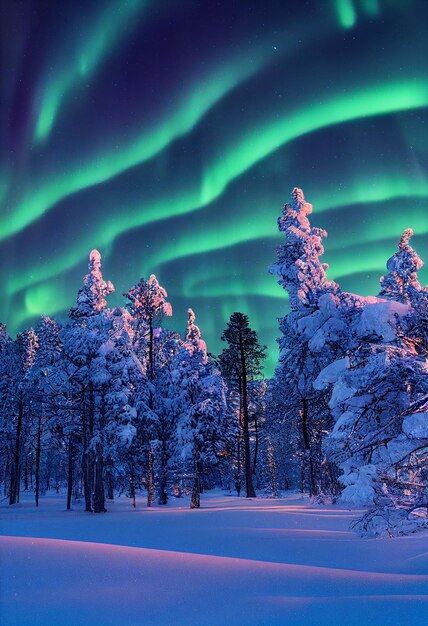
(313, 335)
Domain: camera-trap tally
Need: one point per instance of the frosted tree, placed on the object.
(201, 404)
(123, 450)
(89, 329)
(298, 267)
(91, 296)
(401, 283)
(17, 359)
(167, 346)
(379, 401)
(147, 305)
(43, 379)
(314, 333)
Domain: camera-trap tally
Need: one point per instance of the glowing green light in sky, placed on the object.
(346, 13)
(366, 258)
(257, 144)
(47, 298)
(113, 24)
(110, 162)
(234, 230)
(253, 147)
(371, 6)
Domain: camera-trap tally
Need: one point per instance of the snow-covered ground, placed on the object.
(234, 561)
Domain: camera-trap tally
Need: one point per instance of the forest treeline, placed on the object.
(112, 402)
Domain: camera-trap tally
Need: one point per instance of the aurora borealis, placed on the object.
(168, 134)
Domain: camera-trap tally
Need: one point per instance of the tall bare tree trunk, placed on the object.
(313, 490)
(256, 446)
(15, 476)
(162, 478)
(86, 470)
(70, 472)
(150, 478)
(238, 466)
(38, 454)
(99, 497)
(99, 494)
(247, 451)
(132, 489)
(195, 502)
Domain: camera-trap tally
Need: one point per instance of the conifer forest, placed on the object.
(112, 401)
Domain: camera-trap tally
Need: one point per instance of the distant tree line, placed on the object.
(112, 402)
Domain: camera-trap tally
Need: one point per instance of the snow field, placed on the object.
(234, 561)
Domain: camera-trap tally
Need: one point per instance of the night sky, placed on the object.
(168, 134)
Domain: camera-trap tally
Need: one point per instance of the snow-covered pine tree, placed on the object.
(147, 304)
(45, 393)
(201, 404)
(6, 364)
(91, 296)
(123, 456)
(401, 283)
(313, 336)
(379, 401)
(167, 346)
(89, 329)
(17, 358)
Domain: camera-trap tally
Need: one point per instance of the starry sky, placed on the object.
(169, 133)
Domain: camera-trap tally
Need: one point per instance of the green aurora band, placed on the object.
(112, 26)
(110, 162)
(253, 148)
(336, 104)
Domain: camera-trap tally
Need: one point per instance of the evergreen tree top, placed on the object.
(91, 297)
(298, 267)
(243, 344)
(401, 282)
(193, 336)
(147, 300)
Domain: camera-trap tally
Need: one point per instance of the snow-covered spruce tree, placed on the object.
(64, 414)
(43, 380)
(17, 358)
(201, 404)
(88, 330)
(379, 401)
(123, 450)
(147, 306)
(314, 334)
(401, 283)
(5, 342)
(167, 345)
(241, 364)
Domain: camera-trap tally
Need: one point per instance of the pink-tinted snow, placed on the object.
(235, 561)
